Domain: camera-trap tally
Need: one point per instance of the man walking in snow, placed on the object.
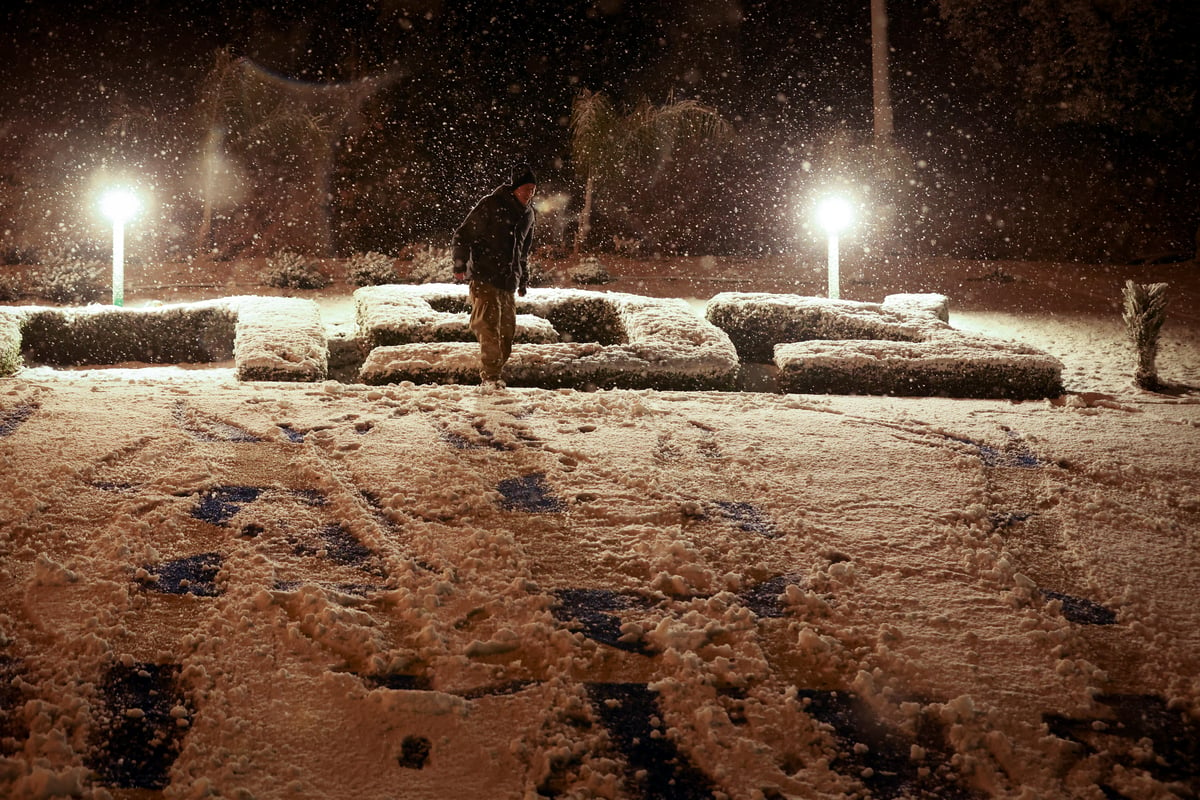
(491, 250)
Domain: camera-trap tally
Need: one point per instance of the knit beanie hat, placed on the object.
(522, 175)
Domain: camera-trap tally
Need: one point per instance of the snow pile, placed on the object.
(279, 339)
(903, 346)
(613, 340)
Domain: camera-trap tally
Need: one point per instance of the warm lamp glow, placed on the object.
(834, 214)
(120, 205)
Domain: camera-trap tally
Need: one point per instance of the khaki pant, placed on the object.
(494, 323)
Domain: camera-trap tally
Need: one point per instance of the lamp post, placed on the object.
(120, 206)
(834, 215)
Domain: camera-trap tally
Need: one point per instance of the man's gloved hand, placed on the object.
(521, 290)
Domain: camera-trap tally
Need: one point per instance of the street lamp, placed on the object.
(834, 215)
(120, 206)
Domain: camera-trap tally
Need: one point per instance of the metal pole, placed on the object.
(835, 290)
(118, 279)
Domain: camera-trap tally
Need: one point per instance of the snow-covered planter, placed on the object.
(398, 314)
(10, 343)
(96, 334)
(610, 340)
(279, 339)
(903, 346)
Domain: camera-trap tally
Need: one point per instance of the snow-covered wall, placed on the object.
(903, 346)
(613, 340)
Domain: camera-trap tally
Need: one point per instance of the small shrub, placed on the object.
(72, 281)
(537, 274)
(1144, 314)
(553, 251)
(289, 270)
(11, 288)
(19, 254)
(371, 269)
(627, 245)
(432, 265)
(590, 271)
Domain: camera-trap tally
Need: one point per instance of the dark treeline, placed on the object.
(347, 127)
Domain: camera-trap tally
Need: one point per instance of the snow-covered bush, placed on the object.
(757, 322)
(1145, 311)
(21, 254)
(72, 281)
(903, 346)
(589, 271)
(947, 365)
(268, 338)
(279, 339)
(538, 276)
(288, 270)
(188, 333)
(652, 343)
(578, 316)
(10, 343)
(431, 265)
(12, 287)
(371, 269)
(392, 315)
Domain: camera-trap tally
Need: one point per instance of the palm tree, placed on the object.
(1144, 315)
(287, 134)
(605, 142)
(216, 93)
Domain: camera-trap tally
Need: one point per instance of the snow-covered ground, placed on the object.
(217, 589)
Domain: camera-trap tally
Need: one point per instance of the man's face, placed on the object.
(524, 193)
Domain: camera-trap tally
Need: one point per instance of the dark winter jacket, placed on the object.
(494, 241)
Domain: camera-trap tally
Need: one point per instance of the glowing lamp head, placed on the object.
(834, 214)
(120, 205)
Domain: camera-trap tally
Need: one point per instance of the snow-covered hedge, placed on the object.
(10, 343)
(610, 340)
(268, 338)
(903, 346)
(399, 314)
(951, 365)
(96, 334)
(756, 322)
(279, 339)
